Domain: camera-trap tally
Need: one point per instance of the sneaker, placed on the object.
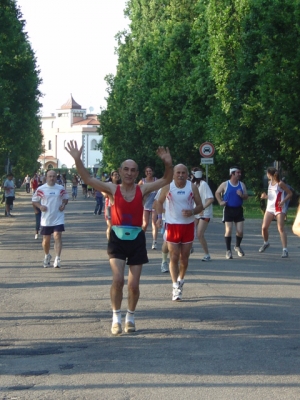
(36, 236)
(284, 254)
(164, 267)
(116, 329)
(154, 245)
(228, 255)
(129, 327)
(47, 261)
(206, 258)
(239, 251)
(56, 263)
(180, 285)
(264, 247)
(177, 294)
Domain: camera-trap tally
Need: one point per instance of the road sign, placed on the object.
(207, 149)
(207, 160)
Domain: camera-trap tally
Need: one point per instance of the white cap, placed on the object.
(197, 174)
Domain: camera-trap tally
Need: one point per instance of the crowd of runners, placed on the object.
(179, 205)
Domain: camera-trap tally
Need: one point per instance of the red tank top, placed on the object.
(127, 213)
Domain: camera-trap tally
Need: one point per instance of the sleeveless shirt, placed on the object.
(127, 213)
(232, 199)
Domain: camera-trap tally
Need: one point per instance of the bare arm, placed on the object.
(105, 187)
(243, 194)
(296, 225)
(219, 193)
(165, 156)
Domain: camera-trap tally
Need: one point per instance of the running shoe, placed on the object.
(129, 327)
(47, 260)
(56, 263)
(164, 267)
(228, 255)
(116, 329)
(239, 251)
(206, 258)
(154, 245)
(177, 294)
(36, 236)
(285, 254)
(180, 285)
(264, 247)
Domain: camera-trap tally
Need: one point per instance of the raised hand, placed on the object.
(73, 150)
(164, 154)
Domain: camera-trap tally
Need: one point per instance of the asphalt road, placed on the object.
(235, 335)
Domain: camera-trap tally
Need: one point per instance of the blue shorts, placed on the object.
(48, 230)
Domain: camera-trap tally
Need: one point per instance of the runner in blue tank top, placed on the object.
(231, 195)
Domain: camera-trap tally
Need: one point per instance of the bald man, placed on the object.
(180, 196)
(127, 241)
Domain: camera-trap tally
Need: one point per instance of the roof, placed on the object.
(71, 104)
(89, 121)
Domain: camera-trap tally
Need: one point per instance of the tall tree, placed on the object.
(20, 133)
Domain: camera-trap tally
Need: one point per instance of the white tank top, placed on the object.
(179, 199)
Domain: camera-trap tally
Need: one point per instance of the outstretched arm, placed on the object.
(73, 150)
(164, 154)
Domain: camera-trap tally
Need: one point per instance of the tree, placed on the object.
(20, 132)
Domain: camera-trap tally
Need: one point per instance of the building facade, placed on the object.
(70, 122)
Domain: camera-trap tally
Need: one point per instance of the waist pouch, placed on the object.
(126, 232)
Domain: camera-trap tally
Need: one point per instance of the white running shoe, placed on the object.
(47, 260)
(206, 258)
(56, 263)
(239, 251)
(154, 245)
(264, 247)
(36, 236)
(164, 267)
(228, 255)
(285, 253)
(177, 294)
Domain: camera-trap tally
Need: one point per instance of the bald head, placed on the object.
(128, 171)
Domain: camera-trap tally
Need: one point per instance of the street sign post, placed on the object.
(207, 150)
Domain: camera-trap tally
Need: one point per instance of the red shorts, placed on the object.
(180, 233)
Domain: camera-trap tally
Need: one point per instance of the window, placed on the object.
(63, 114)
(49, 145)
(94, 144)
(50, 166)
(64, 166)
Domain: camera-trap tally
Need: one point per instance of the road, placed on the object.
(235, 335)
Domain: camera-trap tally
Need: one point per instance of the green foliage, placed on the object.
(20, 133)
(197, 70)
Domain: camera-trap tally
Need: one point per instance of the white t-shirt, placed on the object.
(51, 197)
(164, 205)
(10, 185)
(205, 193)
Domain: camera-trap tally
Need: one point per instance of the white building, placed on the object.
(70, 122)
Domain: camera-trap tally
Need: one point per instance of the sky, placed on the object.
(74, 43)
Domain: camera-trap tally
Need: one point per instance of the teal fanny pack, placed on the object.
(126, 232)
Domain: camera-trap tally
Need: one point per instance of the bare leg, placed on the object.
(280, 225)
(201, 228)
(116, 290)
(154, 227)
(174, 253)
(185, 250)
(46, 243)
(57, 243)
(268, 218)
(134, 275)
(146, 217)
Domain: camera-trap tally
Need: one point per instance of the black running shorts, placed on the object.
(233, 214)
(134, 251)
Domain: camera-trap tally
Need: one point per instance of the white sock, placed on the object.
(180, 281)
(164, 257)
(285, 248)
(129, 316)
(116, 316)
(175, 285)
(267, 242)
